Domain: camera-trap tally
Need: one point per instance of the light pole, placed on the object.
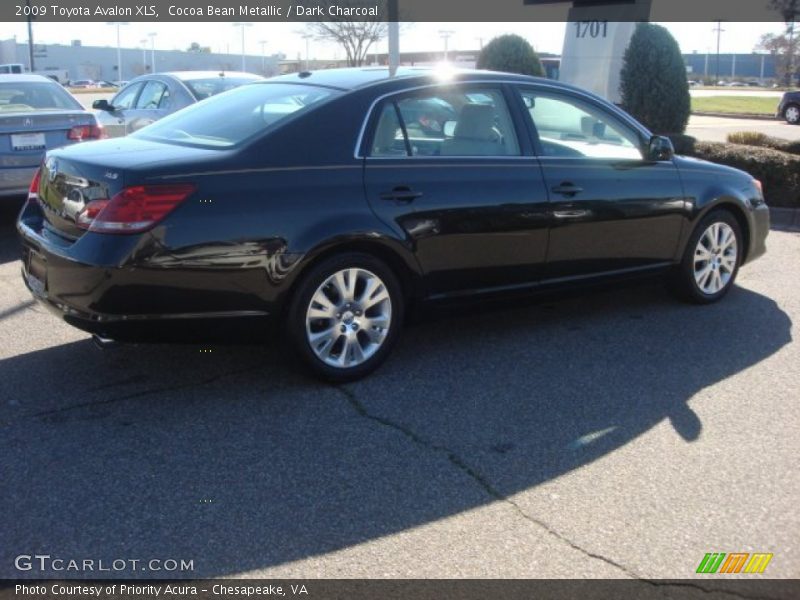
(242, 26)
(445, 35)
(119, 48)
(307, 37)
(152, 35)
(719, 31)
(144, 54)
(263, 56)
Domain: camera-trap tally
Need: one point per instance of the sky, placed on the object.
(285, 37)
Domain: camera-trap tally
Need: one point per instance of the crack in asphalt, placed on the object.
(139, 394)
(487, 487)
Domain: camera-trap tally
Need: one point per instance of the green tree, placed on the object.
(510, 54)
(653, 80)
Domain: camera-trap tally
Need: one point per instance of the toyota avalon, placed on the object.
(320, 200)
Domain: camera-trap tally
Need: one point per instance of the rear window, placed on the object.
(205, 88)
(231, 118)
(28, 96)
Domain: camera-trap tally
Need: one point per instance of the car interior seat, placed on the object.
(475, 133)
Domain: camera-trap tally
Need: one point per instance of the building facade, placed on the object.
(100, 63)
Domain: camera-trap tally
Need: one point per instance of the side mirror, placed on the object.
(449, 128)
(660, 148)
(102, 105)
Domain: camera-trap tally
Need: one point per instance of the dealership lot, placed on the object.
(616, 433)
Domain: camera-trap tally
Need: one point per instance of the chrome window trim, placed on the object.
(620, 114)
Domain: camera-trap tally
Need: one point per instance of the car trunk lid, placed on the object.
(24, 136)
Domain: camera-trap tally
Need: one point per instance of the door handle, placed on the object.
(567, 188)
(570, 214)
(401, 193)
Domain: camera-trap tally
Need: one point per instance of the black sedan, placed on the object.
(309, 198)
(789, 108)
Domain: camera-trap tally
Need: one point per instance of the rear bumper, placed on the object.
(128, 303)
(15, 181)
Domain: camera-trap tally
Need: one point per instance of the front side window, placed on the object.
(228, 119)
(447, 122)
(568, 127)
(151, 95)
(126, 97)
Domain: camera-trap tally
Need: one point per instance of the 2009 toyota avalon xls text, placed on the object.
(327, 200)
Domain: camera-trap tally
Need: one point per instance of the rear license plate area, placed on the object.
(28, 141)
(37, 272)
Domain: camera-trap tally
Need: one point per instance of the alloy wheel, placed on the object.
(793, 114)
(715, 258)
(348, 318)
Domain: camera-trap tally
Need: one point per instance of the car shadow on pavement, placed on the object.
(10, 248)
(231, 457)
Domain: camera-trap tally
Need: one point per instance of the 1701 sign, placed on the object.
(592, 29)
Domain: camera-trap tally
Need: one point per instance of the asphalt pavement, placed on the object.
(612, 433)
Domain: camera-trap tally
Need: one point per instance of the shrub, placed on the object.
(756, 138)
(511, 54)
(779, 172)
(653, 81)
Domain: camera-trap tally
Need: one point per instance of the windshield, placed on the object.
(230, 118)
(28, 96)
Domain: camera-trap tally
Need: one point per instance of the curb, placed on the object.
(736, 116)
(785, 219)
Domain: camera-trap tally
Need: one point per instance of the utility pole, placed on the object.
(394, 37)
(445, 35)
(144, 54)
(30, 37)
(307, 37)
(719, 31)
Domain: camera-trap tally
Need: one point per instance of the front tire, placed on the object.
(711, 259)
(345, 316)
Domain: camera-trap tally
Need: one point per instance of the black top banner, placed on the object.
(408, 10)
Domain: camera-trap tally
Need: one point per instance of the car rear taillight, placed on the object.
(33, 190)
(134, 209)
(86, 132)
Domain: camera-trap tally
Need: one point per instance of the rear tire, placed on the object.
(792, 114)
(345, 316)
(711, 259)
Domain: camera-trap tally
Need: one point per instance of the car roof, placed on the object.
(188, 75)
(361, 77)
(24, 78)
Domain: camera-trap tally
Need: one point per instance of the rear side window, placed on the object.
(233, 117)
(28, 96)
(446, 122)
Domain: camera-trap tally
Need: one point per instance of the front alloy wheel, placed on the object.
(792, 114)
(715, 258)
(345, 316)
(711, 259)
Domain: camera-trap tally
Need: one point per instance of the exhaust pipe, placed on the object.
(103, 343)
